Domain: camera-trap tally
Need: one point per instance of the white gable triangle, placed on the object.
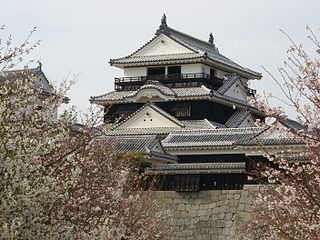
(162, 45)
(148, 117)
(237, 91)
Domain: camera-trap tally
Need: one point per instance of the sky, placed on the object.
(78, 37)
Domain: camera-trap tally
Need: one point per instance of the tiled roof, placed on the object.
(178, 92)
(188, 125)
(201, 124)
(227, 84)
(205, 47)
(135, 144)
(210, 138)
(112, 96)
(140, 131)
(130, 144)
(175, 93)
(183, 168)
(233, 100)
(237, 118)
(271, 141)
(13, 74)
(157, 58)
(158, 86)
(201, 50)
(192, 91)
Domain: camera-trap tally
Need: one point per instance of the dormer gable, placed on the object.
(233, 87)
(150, 116)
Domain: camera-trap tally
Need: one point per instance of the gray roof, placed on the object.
(156, 58)
(158, 86)
(174, 93)
(237, 118)
(130, 144)
(25, 74)
(187, 126)
(201, 124)
(190, 168)
(140, 131)
(7, 76)
(136, 144)
(271, 141)
(206, 47)
(223, 137)
(201, 49)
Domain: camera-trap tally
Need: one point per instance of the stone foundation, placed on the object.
(212, 214)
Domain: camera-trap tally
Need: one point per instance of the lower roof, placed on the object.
(197, 168)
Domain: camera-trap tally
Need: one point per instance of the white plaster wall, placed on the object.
(135, 72)
(147, 118)
(191, 68)
(237, 91)
(162, 45)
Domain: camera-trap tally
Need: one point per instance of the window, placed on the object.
(213, 72)
(186, 183)
(174, 70)
(182, 110)
(152, 71)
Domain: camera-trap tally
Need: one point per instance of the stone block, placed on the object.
(212, 205)
(233, 209)
(228, 216)
(213, 237)
(226, 232)
(220, 223)
(202, 213)
(236, 196)
(191, 201)
(234, 203)
(194, 207)
(221, 216)
(222, 197)
(181, 207)
(187, 221)
(241, 206)
(229, 224)
(221, 237)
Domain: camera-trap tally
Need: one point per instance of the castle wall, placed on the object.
(213, 214)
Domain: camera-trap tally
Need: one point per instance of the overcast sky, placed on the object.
(80, 36)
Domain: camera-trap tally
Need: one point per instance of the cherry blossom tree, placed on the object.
(59, 181)
(289, 208)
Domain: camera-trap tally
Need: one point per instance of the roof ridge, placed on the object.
(195, 38)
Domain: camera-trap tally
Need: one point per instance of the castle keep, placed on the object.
(184, 104)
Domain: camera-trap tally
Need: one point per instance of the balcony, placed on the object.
(169, 80)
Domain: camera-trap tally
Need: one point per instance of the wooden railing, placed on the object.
(168, 79)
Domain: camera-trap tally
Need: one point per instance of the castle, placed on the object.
(184, 104)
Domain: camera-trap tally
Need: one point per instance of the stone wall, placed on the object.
(206, 215)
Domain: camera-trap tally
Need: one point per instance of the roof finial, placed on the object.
(163, 28)
(39, 64)
(164, 19)
(211, 38)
